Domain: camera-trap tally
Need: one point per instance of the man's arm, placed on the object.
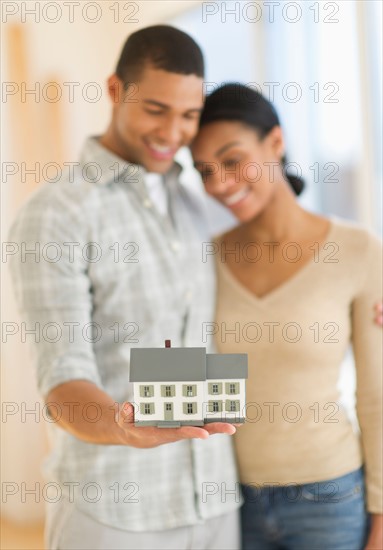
(111, 423)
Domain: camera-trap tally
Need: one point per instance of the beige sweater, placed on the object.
(296, 337)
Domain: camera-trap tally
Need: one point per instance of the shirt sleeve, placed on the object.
(367, 345)
(50, 274)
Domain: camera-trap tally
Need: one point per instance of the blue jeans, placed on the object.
(328, 515)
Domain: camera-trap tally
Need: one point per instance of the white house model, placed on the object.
(187, 386)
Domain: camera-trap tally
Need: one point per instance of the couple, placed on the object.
(309, 480)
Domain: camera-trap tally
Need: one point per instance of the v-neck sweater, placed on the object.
(296, 337)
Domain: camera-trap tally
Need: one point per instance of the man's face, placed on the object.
(155, 117)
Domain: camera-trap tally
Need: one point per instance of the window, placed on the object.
(168, 391)
(147, 391)
(189, 390)
(215, 406)
(147, 408)
(232, 406)
(190, 408)
(215, 388)
(168, 406)
(232, 388)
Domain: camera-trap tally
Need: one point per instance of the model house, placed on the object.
(187, 386)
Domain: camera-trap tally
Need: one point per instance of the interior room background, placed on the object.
(319, 61)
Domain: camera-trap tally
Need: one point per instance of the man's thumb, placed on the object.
(126, 413)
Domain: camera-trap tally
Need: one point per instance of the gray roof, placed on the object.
(167, 364)
(226, 365)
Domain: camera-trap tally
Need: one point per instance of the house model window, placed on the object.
(215, 389)
(147, 408)
(232, 388)
(215, 406)
(168, 391)
(189, 391)
(177, 386)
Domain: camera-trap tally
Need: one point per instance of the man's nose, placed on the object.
(171, 132)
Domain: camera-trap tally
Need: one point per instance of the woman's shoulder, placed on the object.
(353, 237)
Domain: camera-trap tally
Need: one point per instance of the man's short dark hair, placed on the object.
(162, 46)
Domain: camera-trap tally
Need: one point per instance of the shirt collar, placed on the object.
(104, 167)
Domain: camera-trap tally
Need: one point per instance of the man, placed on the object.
(129, 275)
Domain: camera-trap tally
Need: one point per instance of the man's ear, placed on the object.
(277, 142)
(115, 88)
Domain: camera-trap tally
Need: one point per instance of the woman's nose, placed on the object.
(222, 183)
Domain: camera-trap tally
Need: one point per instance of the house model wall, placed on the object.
(187, 386)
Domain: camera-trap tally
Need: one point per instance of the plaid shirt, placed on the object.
(110, 273)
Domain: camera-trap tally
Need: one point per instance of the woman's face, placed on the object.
(237, 168)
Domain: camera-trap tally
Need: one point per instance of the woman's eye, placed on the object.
(230, 162)
(205, 174)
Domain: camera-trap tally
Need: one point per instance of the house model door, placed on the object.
(168, 411)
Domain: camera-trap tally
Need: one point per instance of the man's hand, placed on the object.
(146, 437)
(115, 424)
(375, 538)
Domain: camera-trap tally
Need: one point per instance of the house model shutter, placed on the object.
(168, 390)
(230, 385)
(211, 389)
(185, 390)
(232, 405)
(146, 390)
(189, 408)
(215, 406)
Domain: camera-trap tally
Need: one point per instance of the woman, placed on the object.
(294, 289)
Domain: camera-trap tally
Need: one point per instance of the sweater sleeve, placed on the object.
(367, 340)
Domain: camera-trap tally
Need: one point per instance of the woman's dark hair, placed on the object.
(162, 46)
(237, 102)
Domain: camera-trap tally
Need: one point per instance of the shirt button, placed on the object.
(175, 246)
(188, 295)
(147, 203)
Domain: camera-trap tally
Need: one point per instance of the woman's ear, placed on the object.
(276, 141)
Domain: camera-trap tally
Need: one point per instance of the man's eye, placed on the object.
(192, 116)
(153, 112)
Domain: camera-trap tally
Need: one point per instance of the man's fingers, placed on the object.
(152, 437)
(189, 432)
(220, 428)
(186, 432)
